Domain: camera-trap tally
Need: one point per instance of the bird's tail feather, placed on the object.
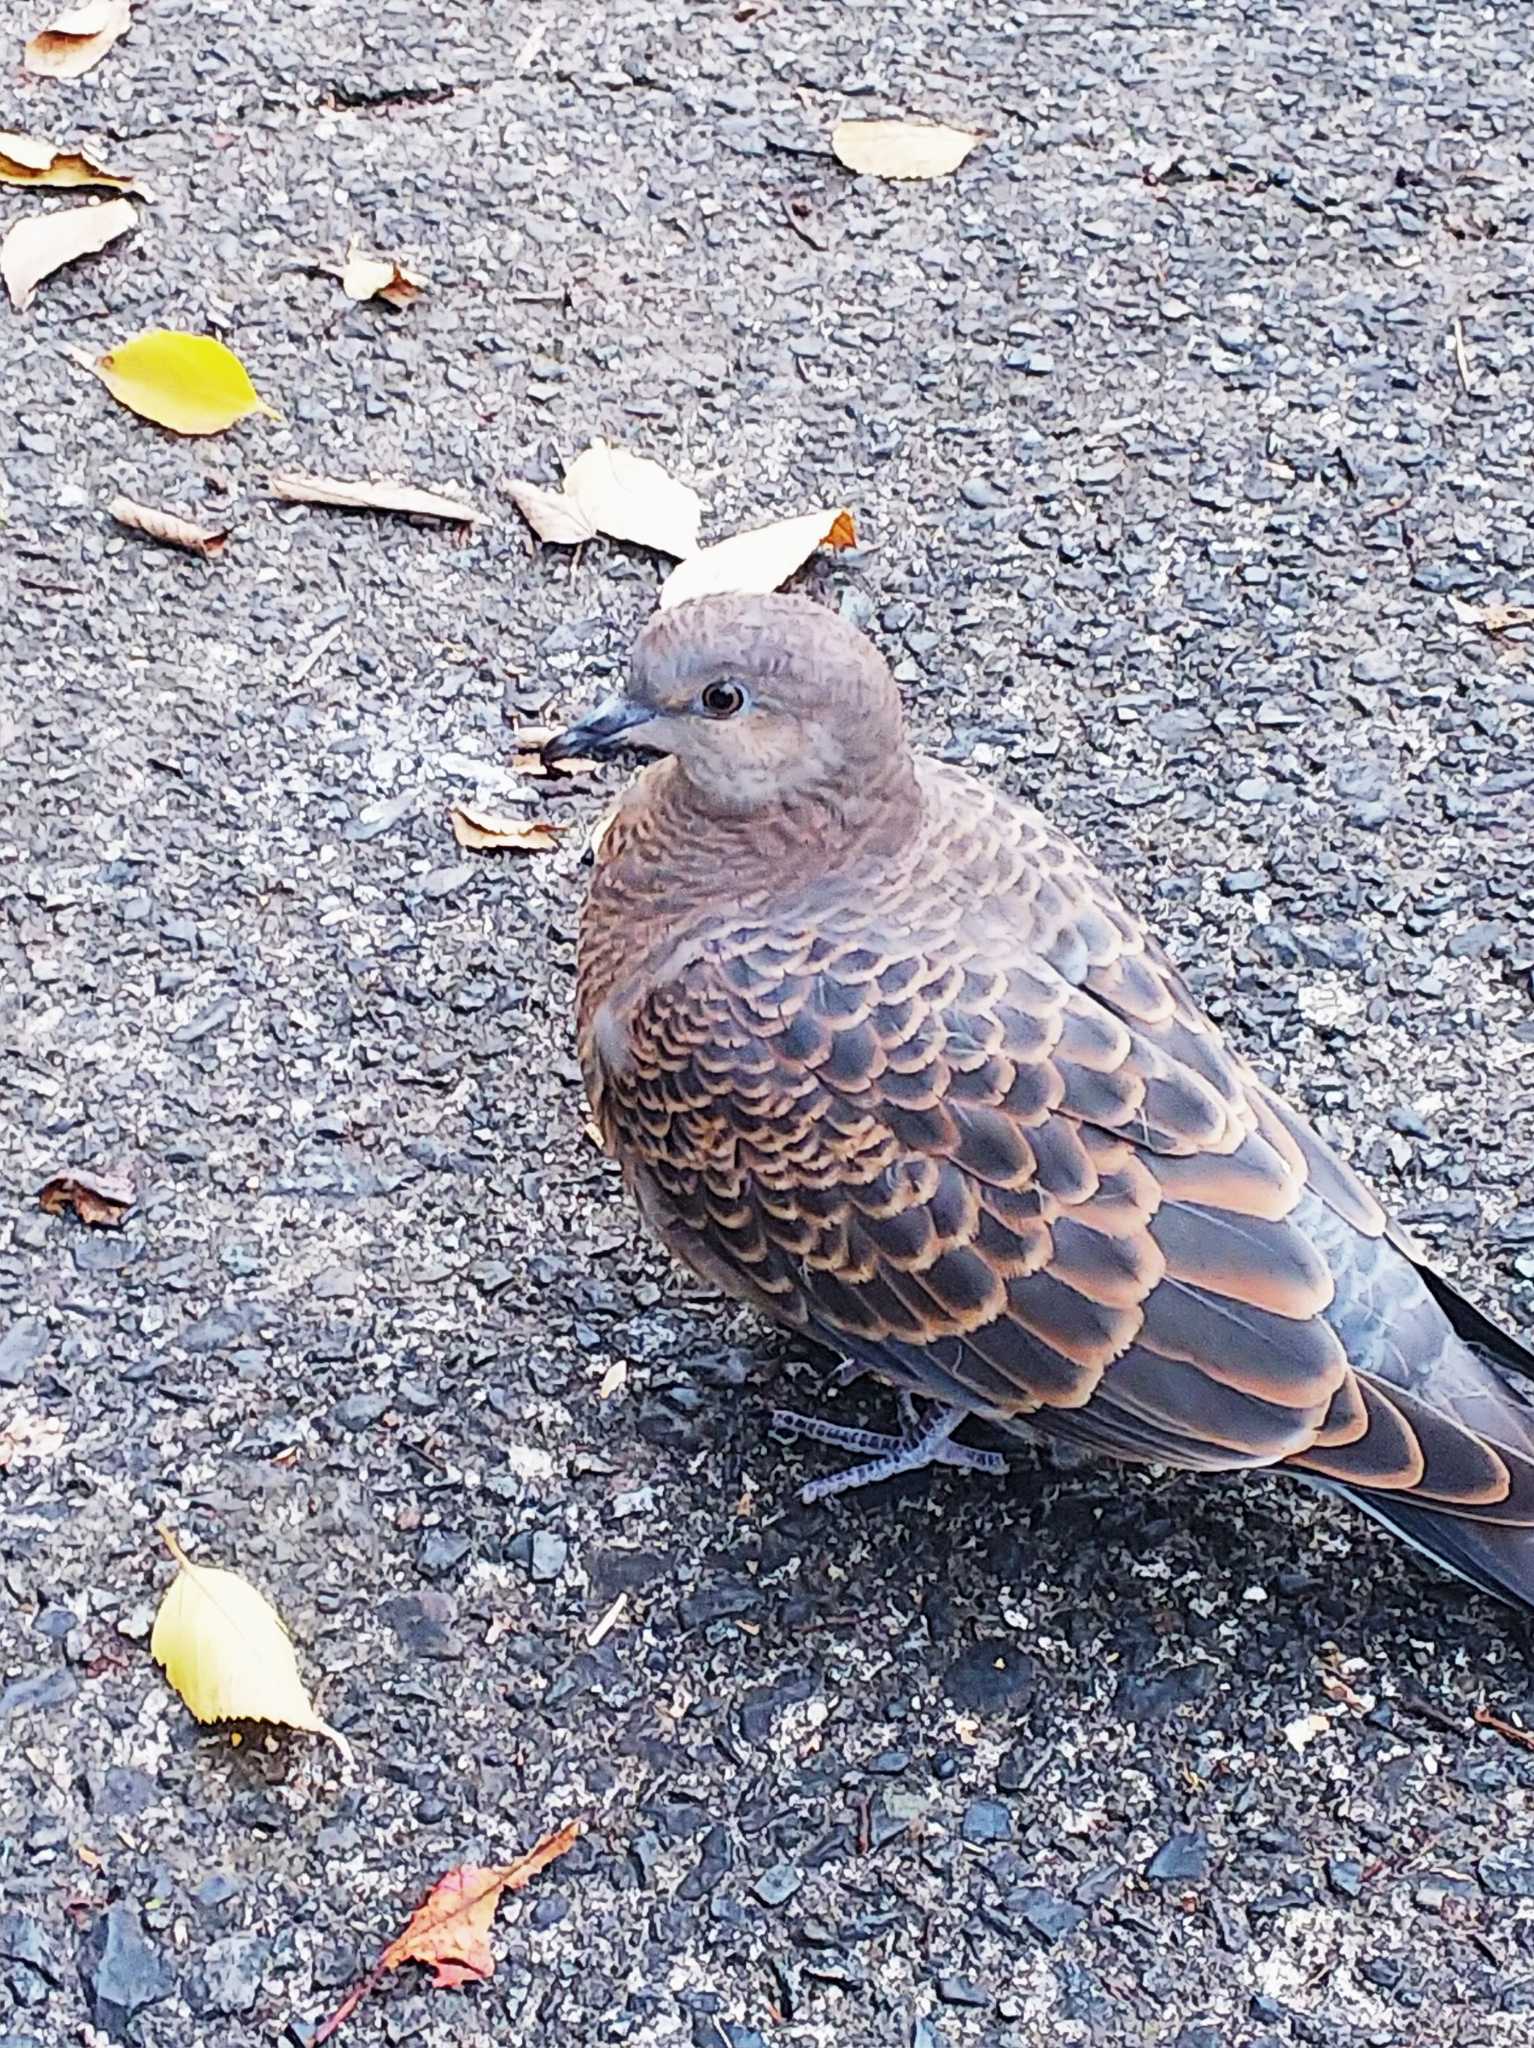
(1494, 1558)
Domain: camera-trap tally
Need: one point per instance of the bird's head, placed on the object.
(763, 702)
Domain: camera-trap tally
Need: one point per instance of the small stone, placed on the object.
(1508, 1873)
(228, 1978)
(123, 1974)
(443, 881)
(540, 1553)
(986, 1820)
(779, 1883)
(991, 1673)
(359, 1411)
(954, 1990)
(441, 1551)
(1345, 1875)
(20, 1348)
(1051, 1917)
(984, 496)
(1182, 1859)
(424, 1623)
(1376, 665)
(40, 1690)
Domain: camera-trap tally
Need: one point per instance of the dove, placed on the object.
(881, 1053)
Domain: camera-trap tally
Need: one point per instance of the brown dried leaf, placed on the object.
(379, 277)
(1494, 617)
(449, 1932)
(901, 149)
(367, 496)
(169, 527)
(101, 1199)
(760, 560)
(26, 160)
(44, 242)
(553, 515)
(482, 832)
(75, 40)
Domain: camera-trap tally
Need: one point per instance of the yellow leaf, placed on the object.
(226, 1652)
(76, 39)
(628, 497)
(901, 149)
(757, 561)
(187, 382)
(26, 160)
(44, 242)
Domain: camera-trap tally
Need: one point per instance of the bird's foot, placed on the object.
(923, 1441)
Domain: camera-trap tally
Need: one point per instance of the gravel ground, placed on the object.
(1169, 471)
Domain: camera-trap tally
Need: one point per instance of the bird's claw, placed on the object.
(923, 1441)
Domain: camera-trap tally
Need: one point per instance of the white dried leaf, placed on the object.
(901, 149)
(44, 242)
(629, 497)
(760, 560)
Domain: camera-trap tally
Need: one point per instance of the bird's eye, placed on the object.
(722, 700)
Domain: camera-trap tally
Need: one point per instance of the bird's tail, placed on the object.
(1452, 1474)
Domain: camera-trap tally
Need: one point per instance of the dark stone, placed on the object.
(424, 1624)
(721, 1602)
(540, 1553)
(986, 1820)
(23, 1940)
(1345, 1874)
(990, 1674)
(955, 1990)
(41, 1690)
(441, 1551)
(122, 1974)
(1182, 1859)
(1051, 1917)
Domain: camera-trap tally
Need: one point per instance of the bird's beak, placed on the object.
(601, 732)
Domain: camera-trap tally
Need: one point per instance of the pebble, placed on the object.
(441, 1551)
(124, 1975)
(541, 1554)
(986, 1820)
(778, 1884)
(1182, 1859)
(20, 1348)
(359, 1411)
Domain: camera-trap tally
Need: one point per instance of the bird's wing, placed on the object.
(1038, 1193)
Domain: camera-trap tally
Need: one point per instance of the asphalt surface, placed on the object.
(1174, 423)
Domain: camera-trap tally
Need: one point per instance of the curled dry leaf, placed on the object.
(379, 277)
(100, 1199)
(226, 1652)
(27, 160)
(75, 40)
(610, 490)
(450, 1930)
(760, 560)
(187, 382)
(363, 495)
(176, 532)
(482, 832)
(901, 149)
(1495, 617)
(36, 247)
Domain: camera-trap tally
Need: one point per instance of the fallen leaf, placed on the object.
(227, 1653)
(75, 40)
(100, 1199)
(629, 497)
(379, 277)
(176, 532)
(901, 149)
(187, 382)
(760, 560)
(1494, 617)
(366, 496)
(449, 1932)
(34, 248)
(481, 832)
(552, 515)
(26, 160)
